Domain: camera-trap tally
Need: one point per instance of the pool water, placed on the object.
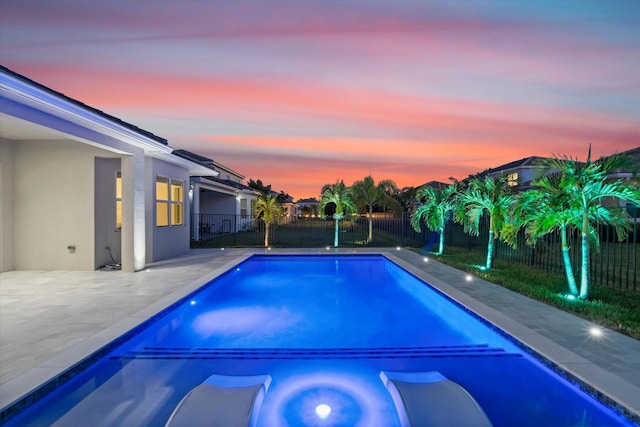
(323, 327)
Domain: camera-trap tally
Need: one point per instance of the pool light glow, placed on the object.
(323, 410)
(595, 331)
(468, 278)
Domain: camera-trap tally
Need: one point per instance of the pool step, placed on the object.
(317, 353)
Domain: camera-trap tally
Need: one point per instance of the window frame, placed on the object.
(172, 207)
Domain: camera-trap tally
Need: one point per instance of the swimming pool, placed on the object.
(323, 327)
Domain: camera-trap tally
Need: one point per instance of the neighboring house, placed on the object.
(290, 210)
(626, 175)
(308, 208)
(81, 189)
(219, 205)
(519, 173)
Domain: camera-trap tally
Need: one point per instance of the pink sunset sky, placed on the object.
(301, 94)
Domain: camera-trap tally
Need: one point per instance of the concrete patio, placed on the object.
(50, 321)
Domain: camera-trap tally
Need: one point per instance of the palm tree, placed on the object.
(407, 197)
(340, 196)
(545, 209)
(268, 208)
(585, 186)
(490, 196)
(367, 194)
(435, 208)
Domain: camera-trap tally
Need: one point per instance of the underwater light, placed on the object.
(192, 302)
(323, 411)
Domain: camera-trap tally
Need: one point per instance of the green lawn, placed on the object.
(614, 309)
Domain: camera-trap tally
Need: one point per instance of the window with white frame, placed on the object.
(169, 202)
(243, 208)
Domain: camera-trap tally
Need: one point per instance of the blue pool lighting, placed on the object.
(323, 410)
(322, 328)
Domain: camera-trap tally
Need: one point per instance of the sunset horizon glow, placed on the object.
(302, 94)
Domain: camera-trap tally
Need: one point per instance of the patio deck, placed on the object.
(49, 321)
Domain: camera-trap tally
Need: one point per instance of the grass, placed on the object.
(615, 309)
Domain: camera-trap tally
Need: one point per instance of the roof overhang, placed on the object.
(26, 107)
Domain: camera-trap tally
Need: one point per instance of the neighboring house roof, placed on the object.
(233, 184)
(120, 122)
(311, 201)
(434, 184)
(205, 161)
(531, 161)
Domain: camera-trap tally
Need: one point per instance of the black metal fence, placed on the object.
(615, 264)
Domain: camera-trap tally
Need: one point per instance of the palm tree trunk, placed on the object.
(370, 238)
(266, 235)
(584, 273)
(441, 245)
(490, 250)
(568, 270)
(335, 238)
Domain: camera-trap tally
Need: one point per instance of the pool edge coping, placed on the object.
(545, 350)
(37, 381)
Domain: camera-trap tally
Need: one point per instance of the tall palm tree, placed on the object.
(585, 186)
(489, 196)
(268, 208)
(544, 209)
(340, 196)
(366, 194)
(435, 208)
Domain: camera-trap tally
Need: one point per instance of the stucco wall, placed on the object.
(165, 242)
(106, 233)
(217, 203)
(6, 205)
(54, 205)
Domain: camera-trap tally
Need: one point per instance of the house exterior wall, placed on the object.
(108, 240)
(54, 205)
(7, 261)
(218, 203)
(169, 241)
